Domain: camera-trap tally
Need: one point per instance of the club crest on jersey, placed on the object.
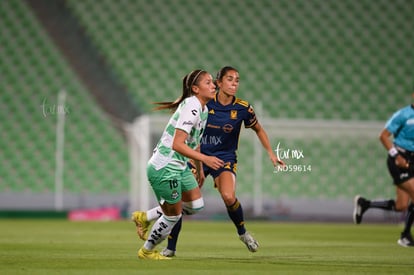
(227, 128)
(174, 195)
(233, 114)
(211, 112)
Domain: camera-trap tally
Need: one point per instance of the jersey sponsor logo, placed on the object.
(228, 128)
(213, 126)
(189, 122)
(194, 112)
(233, 114)
(410, 121)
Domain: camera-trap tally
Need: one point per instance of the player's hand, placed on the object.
(213, 162)
(276, 161)
(401, 162)
(198, 174)
(280, 162)
(200, 179)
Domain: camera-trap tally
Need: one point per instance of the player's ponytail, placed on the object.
(189, 81)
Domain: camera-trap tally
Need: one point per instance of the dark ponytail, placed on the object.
(189, 81)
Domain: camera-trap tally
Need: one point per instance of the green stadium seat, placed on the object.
(34, 71)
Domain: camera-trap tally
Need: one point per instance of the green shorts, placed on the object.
(168, 184)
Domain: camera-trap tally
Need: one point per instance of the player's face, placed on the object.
(205, 89)
(229, 83)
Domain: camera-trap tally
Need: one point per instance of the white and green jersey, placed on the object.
(189, 117)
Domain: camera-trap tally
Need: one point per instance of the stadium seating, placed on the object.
(33, 72)
(350, 54)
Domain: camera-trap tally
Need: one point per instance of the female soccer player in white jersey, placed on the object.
(171, 179)
(227, 114)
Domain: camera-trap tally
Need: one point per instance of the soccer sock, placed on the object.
(154, 213)
(383, 204)
(173, 237)
(160, 230)
(409, 218)
(189, 208)
(235, 212)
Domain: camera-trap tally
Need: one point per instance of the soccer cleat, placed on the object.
(247, 239)
(360, 206)
(167, 253)
(142, 224)
(406, 240)
(151, 255)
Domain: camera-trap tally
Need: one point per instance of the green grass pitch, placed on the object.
(205, 247)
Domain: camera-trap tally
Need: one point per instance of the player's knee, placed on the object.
(400, 207)
(192, 207)
(228, 198)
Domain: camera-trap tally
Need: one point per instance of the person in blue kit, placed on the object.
(227, 113)
(400, 162)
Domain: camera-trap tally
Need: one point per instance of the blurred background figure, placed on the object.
(400, 163)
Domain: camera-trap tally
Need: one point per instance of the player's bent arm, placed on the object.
(182, 148)
(264, 139)
(385, 139)
(199, 170)
(392, 151)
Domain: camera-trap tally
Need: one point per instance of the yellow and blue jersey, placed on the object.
(221, 135)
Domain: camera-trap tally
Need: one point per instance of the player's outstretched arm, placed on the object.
(264, 139)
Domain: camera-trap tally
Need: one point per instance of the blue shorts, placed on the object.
(230, 166)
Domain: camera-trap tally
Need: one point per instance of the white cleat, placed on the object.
(251, 244)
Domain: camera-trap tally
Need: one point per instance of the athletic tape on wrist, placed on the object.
(393, 152)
